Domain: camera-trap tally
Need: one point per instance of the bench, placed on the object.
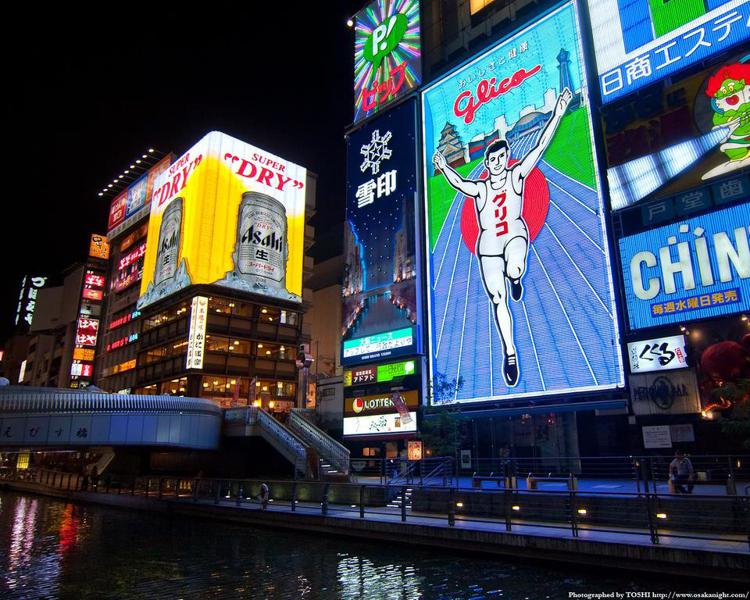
(532, 482)
(500, 480)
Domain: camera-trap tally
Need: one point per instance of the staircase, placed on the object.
(403, 496)
(313, 452)
(333, 457)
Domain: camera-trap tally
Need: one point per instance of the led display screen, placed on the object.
(680, 135)
(387, 54)
(229, 214)
(379, 373)
(87, 332)
(660, 354)
(380, 302)
(519, 283)
(638, 42)
(697, 268)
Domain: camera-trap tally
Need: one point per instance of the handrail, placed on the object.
(326, 446)
(281, 433)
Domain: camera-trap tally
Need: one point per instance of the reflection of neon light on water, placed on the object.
(636, 179)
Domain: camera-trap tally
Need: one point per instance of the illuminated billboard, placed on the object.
(30, 287)
(229, 214)
(680, 135)
(133, 204)
(519, 287)
(379, 373)
(697, 268)
(387, 55)
(384, 414)
(99, 246)
(380, 301)
(639, 42)
(661, 354)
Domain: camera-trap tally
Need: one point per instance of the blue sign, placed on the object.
(136, 196)
(639, 42)
(381, 269)
(694, 269)
(520, 293)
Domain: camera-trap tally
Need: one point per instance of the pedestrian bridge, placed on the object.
(33, 417)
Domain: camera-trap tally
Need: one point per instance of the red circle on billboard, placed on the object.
(534, 212)
(358, 405)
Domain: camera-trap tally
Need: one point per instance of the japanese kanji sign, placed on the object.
(660, 354)
(380, 235)
(652, 40)
(197, 334)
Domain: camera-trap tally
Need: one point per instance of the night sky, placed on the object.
(86, 94)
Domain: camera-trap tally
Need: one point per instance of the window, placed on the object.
(175, 387)
(216, 343)
(476, 5)
(155, 354)
(239, 347)
(273, 351)
(171, 314)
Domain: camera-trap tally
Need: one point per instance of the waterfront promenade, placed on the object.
(685, 537)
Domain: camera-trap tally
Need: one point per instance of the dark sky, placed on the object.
(87, 93)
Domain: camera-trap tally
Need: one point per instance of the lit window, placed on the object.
(476, 5)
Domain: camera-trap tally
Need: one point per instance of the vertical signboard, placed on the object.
(197, 334)
(387, 54)
(693, 269)
(229, 214)
(99, 246)
(519, 285)
(30, 287)
(380, 312)
(638, 42)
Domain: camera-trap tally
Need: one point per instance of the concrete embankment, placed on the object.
(707, 559)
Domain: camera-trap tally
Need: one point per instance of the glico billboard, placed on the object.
(639, 42)
(380, 304)
(387, 55)
(229, 214)
(519, 284)
(693, 269)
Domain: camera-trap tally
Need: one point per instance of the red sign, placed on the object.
(131, 257)
(133, 237)
(92, 294)
(87, 331)
(120, 321)
(117, 210)
(92, 280)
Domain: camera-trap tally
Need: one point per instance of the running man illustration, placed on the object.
(503, 242)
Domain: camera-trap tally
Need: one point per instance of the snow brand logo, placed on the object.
(466, 104)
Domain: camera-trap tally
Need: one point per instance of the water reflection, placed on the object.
(52, 549)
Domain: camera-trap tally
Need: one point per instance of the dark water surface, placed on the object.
(54, 549)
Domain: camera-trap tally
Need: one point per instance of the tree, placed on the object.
(442, 431)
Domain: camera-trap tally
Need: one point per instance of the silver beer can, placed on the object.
(168, 250)
(261, 250)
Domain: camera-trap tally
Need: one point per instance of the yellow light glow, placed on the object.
(661, 515)
(271, 404)
(256, 403)
(581, 511)
(460, 504)
(516, 507)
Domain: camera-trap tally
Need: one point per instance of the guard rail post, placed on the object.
(217, 492)
(653, 531)
(452, 507)
(324, 504)
(573, 514)
(195, 489)
(160, 483)
(362, 502)
(403, 503)
(240, 492)
(294, 496)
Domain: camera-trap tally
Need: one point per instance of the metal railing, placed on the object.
(327, 448)
(653, 516)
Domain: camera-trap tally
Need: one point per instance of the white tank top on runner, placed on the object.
(499, 216)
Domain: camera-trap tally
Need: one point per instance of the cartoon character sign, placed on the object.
(729, 91)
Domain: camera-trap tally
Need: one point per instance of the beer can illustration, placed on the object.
(261, 250)
(168, 250)
(403, 410)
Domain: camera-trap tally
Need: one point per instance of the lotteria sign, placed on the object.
(693, 269)
(391, 413)
(519, 289)
(387, 57)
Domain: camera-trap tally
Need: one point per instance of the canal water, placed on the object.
(54, 549)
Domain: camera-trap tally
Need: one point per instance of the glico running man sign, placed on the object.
(520, 295)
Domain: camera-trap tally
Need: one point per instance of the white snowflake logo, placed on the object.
(375, 152)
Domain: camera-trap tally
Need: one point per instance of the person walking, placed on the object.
(263, 496)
